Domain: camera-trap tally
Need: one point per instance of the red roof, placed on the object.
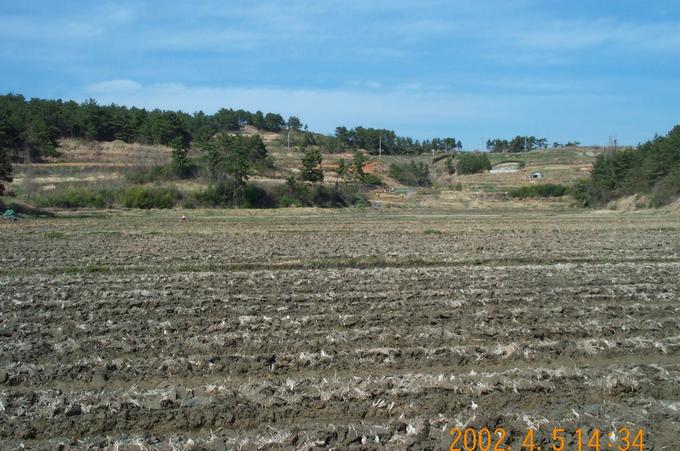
(369, 168)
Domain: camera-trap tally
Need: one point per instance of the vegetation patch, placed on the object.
(146, 197)
(71, 197)
(411, 174)
(652, 169)
(151, 174)
(293, 193)
(543, 190)
(472, 163)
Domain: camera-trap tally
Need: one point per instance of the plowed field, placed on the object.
(280, 330)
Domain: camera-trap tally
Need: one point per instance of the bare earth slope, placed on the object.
(296, 329)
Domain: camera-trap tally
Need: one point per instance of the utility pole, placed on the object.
(613, 142)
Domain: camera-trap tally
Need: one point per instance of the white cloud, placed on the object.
(583, 34)
(223, 39)
(364, 84)
(87, 23)
(118, 13)
(112, 88)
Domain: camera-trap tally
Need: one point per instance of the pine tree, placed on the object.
(343, 169)
(180, 162)
(358, 163)
(311, 166)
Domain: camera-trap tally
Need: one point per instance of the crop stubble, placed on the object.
(327, 329)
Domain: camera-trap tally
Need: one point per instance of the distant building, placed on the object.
(370, 168)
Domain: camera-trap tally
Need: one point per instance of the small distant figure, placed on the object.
(184, 218)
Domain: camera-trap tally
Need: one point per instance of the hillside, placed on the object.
(563, 166)
(93, 154)
(95, 164)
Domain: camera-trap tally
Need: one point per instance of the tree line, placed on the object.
(516, 144)
(376, 140)
(36, 125)
(524, 144)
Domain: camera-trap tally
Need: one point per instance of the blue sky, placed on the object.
(564, 70)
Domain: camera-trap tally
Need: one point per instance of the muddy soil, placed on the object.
(327, 330)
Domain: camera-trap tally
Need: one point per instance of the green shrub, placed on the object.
(48, 150)
(188, 170)
(581, 192)
(411, 174)
(286, 201)
(257, 197)
(149, 197)
(544, 190)
(134, 197)
(296, 194)
(149, 175)
(372, 179)
(76, 198)
(335, 197)
(222, 195)
(293, 193)
(472, 163)
(218, 195)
